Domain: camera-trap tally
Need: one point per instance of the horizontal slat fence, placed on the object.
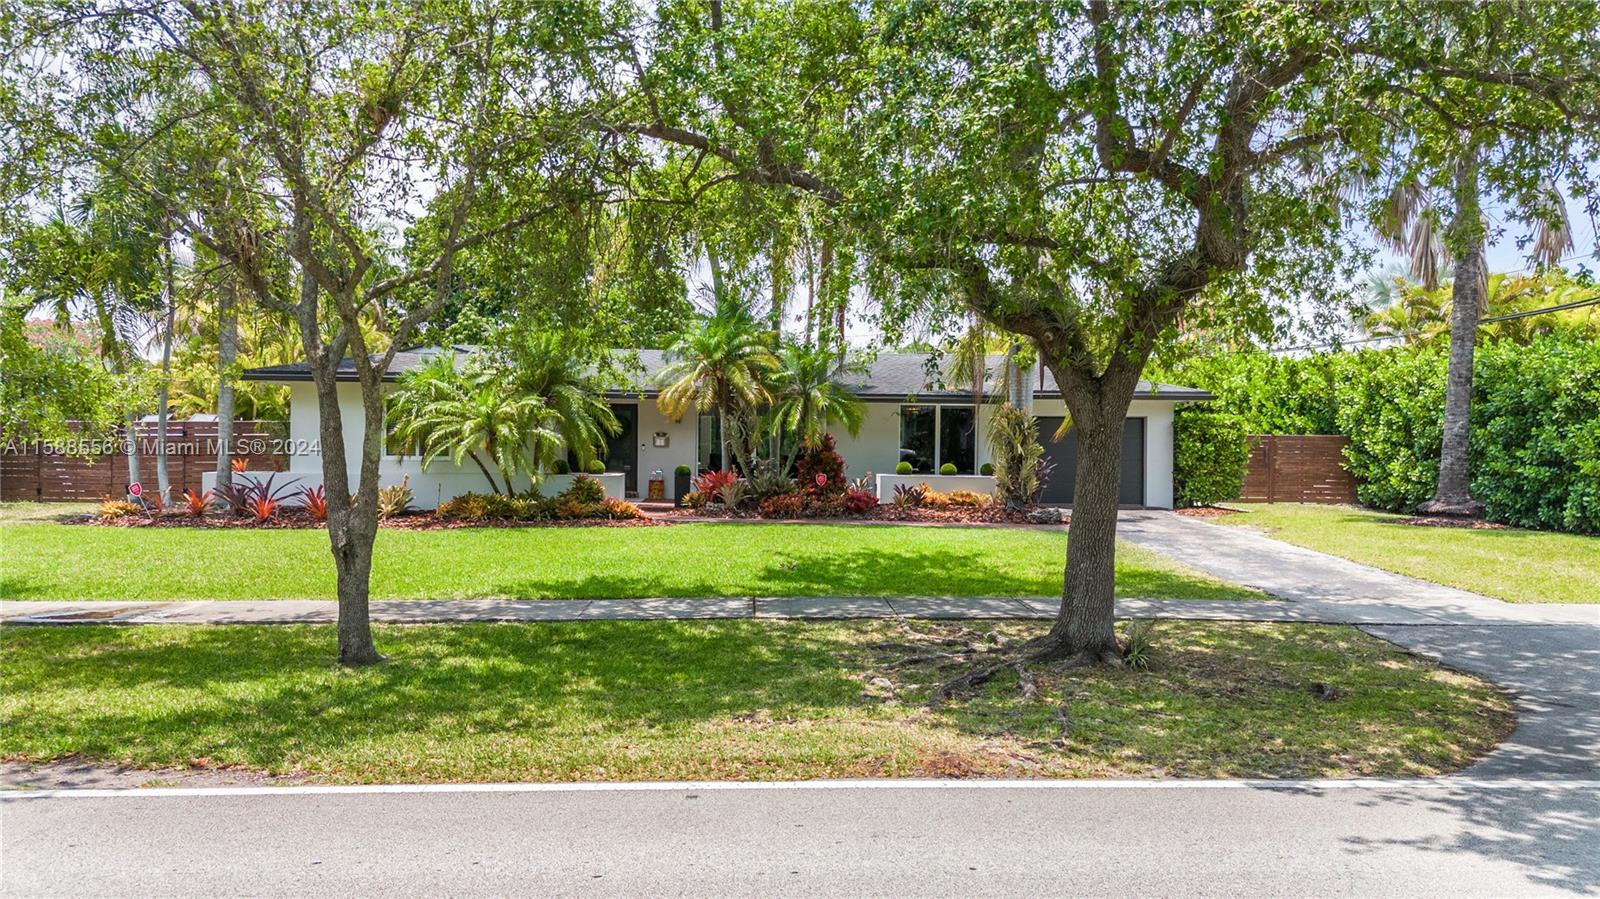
(1298, 469)
(62, 473)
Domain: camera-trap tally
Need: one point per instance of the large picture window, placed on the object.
(931, 436)
(957, 438)
(917, 437)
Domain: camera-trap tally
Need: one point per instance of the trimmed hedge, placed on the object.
(1210, 455)
(1535, 422)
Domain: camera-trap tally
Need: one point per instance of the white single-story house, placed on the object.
(910, 417)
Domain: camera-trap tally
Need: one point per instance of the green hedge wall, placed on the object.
(1535, 421)
(1210, 455)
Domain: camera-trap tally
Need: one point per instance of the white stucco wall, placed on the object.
(874, 450)
(682, 444)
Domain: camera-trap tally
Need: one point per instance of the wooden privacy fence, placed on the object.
(93, 468)
(1298, 469)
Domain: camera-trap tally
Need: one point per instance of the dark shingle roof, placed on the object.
(890, 377)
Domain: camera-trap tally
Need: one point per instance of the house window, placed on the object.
(392, 445)
(932, 436)
(957, 438)
(918, 437)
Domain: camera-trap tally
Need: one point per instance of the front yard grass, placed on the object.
(742, 700)
(57, 561)
(1510, 564)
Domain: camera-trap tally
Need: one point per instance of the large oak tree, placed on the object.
(1092, 177)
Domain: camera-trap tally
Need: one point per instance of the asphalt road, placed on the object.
(1445, 838)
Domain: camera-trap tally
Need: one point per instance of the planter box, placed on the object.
(428, 489)
(944, 483)
(616, 483)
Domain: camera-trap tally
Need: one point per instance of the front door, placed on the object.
(622, 451)
(1064, 453)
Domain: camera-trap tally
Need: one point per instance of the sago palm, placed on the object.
(723, 362)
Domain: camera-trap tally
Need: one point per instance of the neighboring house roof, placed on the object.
(890, 377)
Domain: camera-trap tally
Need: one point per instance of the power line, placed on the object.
(1562, 307)
(1575, 304)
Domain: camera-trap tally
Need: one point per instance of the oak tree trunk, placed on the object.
(1084, 629)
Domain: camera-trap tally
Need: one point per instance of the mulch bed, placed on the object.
(296, 521)
(1207, 512)
(1476, 524)
(881, 513)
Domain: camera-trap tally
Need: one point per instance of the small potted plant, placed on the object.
(948, 468)
(595, 466)
(680, 484)
(903, 468)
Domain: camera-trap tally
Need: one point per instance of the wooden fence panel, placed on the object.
(29, 471)
(1298, 469)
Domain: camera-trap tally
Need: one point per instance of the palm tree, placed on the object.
(1410, 227)
(724, 362)
(542, 365)
(1415, 315)
(808, 396)
(470, 415)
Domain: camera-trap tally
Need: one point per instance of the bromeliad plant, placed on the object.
(196, 505)
(315, 502)
(247, 494)
(710, 484)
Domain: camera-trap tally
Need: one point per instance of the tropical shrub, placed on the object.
(821, 468)
(1536, 434)
(709, 485)
(596, 466)
(315, 502)
(902, 468)
(859, 501)
(560, 466)
(783, 505)
(734, 493)
(585, 491)
(1209, 456)
(694, 499)
(262, 509)
(467, 507)
(767, 479)
(117, 508)
(238, 465)
(246, 492)
(619, 510)
(197, 505)
(948, 468)
(986, 469)
(1018, 457)
(395, 499)
(1391, 403)
(910, 496)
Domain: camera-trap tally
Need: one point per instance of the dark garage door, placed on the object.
(1065, 456)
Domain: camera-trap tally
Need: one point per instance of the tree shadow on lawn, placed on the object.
(874, 572)
(265, 696)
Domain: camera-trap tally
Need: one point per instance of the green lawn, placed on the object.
(748, 700)
(1513, 565)
(54, 561)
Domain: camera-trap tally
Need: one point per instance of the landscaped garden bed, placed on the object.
(255, 504)
(734, 700)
